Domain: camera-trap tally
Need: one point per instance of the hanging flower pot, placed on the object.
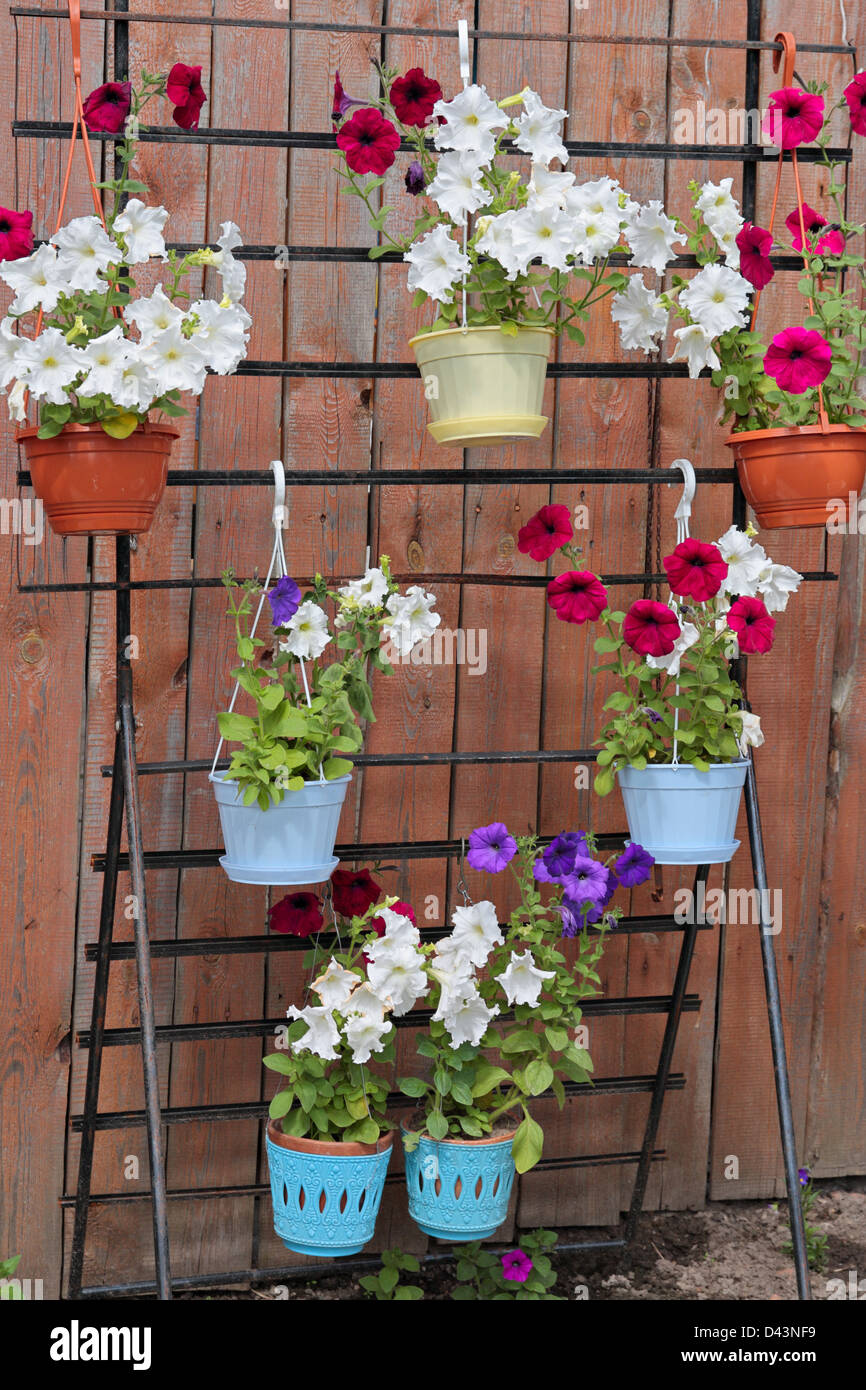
(326, 1195)
(92, 484)
(291, 842)
(459, 1188)
(483, 386)
(681, 815)
(790, 476)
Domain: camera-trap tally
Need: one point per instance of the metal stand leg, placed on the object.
(672, 1025)
(777, 1042)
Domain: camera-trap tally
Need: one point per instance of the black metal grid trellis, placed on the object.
(124, 772)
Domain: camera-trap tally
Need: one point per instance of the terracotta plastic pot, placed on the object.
(790, 476)
(483, 387)
(93, 485)
(326, 1195)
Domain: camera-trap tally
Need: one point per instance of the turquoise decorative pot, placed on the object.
(326, 1196)
(459, 1189)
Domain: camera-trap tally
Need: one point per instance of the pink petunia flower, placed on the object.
(754, 245)
(650, 629)
(831, 244)
(516, 1266)
(695, 570)
(369, 142)
(749, 619)
(855, 95)
(549, 530)
(577, 596)
(798, 359)
(16, 234)
(795, 117)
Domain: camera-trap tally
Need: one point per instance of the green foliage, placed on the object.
(480, 1273)
(386, 1287)
(7, 1270)
(816, 1243)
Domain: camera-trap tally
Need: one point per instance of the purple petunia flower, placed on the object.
(633, 866)
(491, 848)
(285, 600)
(587, 882)
(654, 717)
(415, 181)
(516, 1266)
(803, 1175)
(560, 855)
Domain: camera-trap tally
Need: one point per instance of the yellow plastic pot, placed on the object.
(483, 386)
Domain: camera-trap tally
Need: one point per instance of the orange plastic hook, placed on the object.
(789, 50)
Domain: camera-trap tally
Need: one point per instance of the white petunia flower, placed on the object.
(396, 972)
(746, 562)
(671, 663)
(457, 187)
(141, 229)
(412, 619)
(334, 985)
(695, 345)
(366, 1003)
(545, 232)
(716, 299)
(232, 273)
(220, 334)
(399, 929)
(84, 251)
(641, 316)
(308, 632)
(470, 121)
(152, 314)
(454, 973)
(651, 234)
(776, 584)
(48, 365)
(368, 592)
(17, 402)
(365, 1036)
(601, 196)
(176, 362)
(10, 348)
(539, 130)
(322, 1037)
(549, 186)
(35, 280)
(436, 263)
(727, 241)
(106, 357)
(718, 207)
(595, 235)
(495, 237)
(468, 1019)
(476, 931)
(136, 387)
(522, 981)
(752, 735)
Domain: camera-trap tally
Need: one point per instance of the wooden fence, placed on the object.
(58, 667)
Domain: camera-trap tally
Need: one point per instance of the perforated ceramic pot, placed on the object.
(292, 842)
(482, 386)
(326, 1196)
(459, 1189)
(681, 815)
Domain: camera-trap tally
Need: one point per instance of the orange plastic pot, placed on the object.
(790, 476)
(92, 485)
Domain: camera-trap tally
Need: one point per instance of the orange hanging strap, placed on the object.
(789, 52)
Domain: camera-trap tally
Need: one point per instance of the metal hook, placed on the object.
(463, 43)
(684, 508)
(461, 883)
(279, 512)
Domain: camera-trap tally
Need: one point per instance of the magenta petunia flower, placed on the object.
(795, 117)
(414, 96)
(369, 142)
(695, 570)
(855, 95)
(798, 359)
(491, 847)
(16, 234)
(184, 88)
(516, 1266)
(298, 914)
(754, 244)
(650, 628)
(549, 530)
(107, 107)
(749, 619)
(577, 596)
(831, 244)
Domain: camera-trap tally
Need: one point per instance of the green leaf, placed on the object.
(281, 1104)
(412, 1086)
(523, 1040)
(437, 1125)
(235, 727)
(307, 1094)
(539, 1075)
(120, 426)
(557, 1037)
(527, 1146)
(461, 1093)
(487, 1077)
(277, 1062)
(336, 767)
(389, 1279)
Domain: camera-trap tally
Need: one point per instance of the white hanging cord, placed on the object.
(683, 514)
(465, 74)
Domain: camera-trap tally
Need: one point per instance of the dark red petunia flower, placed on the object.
(16, 234)
(108, 107)
(795, 117)
(749, 619)
(755, 244)
(831, 244)
(695, 570)
(369, 142)
(549, 530)
(185, 90)
(855, 95)
(297, 914)
(414, 96)
(404, 910)
(650, 629)
(577, 596)
(354, 892)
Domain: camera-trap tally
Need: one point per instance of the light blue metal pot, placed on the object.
(459, 1189)
(292, 842)
(325, 1202)
(681, 815)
